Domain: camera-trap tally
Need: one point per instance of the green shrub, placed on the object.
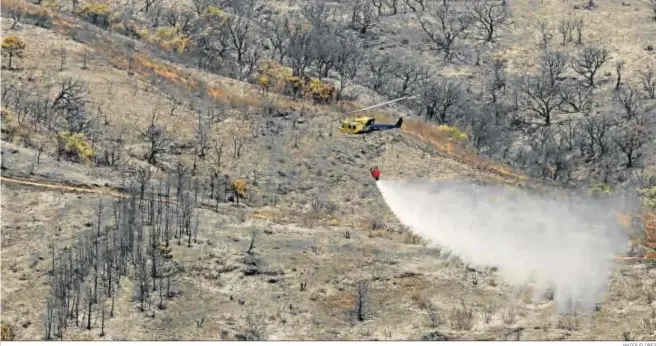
(454, 132)
(95, 12)
(649, 197)
(75, 147)
(601, 188)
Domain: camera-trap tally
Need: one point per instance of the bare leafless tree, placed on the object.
(362, 299)
(416, 5)
(148, 4)
(85, 60)
(541, 98)
(319, 14)
(211, 45)
(565, 29)
(577, 25)
(201, 6)
(490, 16)
(648, 81)
(495, 89)
(462, 318)
(445, 28)
(70, 103)
(595, 131)
(240, 29)
(326, 47)
(554, 64)
(578, 99)
(278, 33)
(546, 35)
(630, 99)
(250, 60)
(439, 99)
(378, 4)
(380, 70)
(569, 133)
(110, 154)
(16, 13)
(183, 19)
(299, 53)
(349, 58)
(363, 16)
(254, 240)
(157, 139)
(394, 5)
(630, 140)
(203, 129)
(619, 65)
(588, 62)
(409, 73)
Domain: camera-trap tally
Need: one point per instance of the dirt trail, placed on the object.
(60, 187)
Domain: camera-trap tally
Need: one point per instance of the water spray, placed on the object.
(564, 246)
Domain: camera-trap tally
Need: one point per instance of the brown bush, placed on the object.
(240, 187)
(649, 228)
(321, 92)
(7, 332)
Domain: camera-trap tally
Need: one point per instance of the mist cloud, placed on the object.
(566, 245)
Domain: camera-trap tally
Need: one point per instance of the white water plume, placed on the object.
(557, 244)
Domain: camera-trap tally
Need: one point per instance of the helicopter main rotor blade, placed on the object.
(380, 104)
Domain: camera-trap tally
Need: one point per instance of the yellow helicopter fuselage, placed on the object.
(355, 126)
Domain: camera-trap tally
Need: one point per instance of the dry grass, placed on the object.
(341, 300)
(415, 288)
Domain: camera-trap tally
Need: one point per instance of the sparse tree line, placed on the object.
(129, 242)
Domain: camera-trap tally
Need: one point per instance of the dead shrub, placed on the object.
(488, 312)
(569, 322)
(255, 329)
(648, 325)
(411, 238)
(435, 319)
(462, 318)
(509, 316)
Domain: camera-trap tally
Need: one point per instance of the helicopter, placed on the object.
(364, 125)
